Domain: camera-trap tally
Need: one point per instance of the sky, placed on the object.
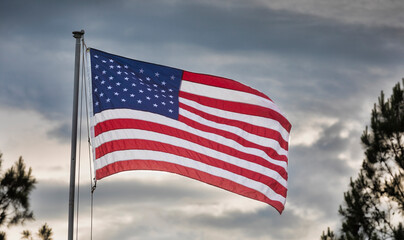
(323, 63)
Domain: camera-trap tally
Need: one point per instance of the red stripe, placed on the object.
(188, 172)
(253, 129)
(155, 127)
(229, 135)
(243, 108)
(220, 82)
(141, 144)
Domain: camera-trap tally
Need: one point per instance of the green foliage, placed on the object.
(376, 197)
(45, 232)
(16, 184)
(329, 236)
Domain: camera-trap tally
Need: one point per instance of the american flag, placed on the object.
(212, 129)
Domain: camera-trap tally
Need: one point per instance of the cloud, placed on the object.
(365, 12)
(327, 57)
(318, 173)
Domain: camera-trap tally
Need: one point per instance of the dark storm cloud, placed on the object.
(316, 171)
(50, 198)
(252, 224)
(170, 192)
(163, 223)
(145, 199)
(37, 54)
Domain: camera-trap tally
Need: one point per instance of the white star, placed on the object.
(139, 101)
(126, 66)
(109, 87)
(125, 89)
(163, 91)
(104, 72)
(170, 110)
(126, 78)
(123, 100)
(119, 72)
(141, 91)
(156, 96)
(102, 82)
(141, 70)
(155, 105)
(97, 66)
(101, 94)
(157, 74)
(132, 95)
(96, 56)
(95, 90)
(111, 67)
(148, 79)
(108, 100)
(134, 84)
(164, 83)
(170, 90)
(110, 60)
(111, 78)
(104, 61)
(116, 93)
(118, 66)
(96, 104)
(163, 103)
(149, 89)
(96, 77)
(155, 85)
(170, 96)
(118, 83)
(171, 102)
(148, 98)
(172, 77)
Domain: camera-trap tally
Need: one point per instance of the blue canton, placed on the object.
(119, 82)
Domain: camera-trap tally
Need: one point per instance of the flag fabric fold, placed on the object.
(216, 130)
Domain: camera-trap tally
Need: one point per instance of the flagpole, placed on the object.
(77, 35)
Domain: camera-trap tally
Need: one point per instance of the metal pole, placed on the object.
(77, 35)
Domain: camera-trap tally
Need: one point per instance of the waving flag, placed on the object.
(212, 129)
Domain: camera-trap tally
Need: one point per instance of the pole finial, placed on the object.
(78, 34)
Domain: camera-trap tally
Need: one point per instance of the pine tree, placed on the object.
(45, 232)
(329, 236)
(16, 184)
(376, 198)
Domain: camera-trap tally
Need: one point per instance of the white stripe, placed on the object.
(254, 120)
(227, 94)
(170, 158)
(156, 118)
(262, 141)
